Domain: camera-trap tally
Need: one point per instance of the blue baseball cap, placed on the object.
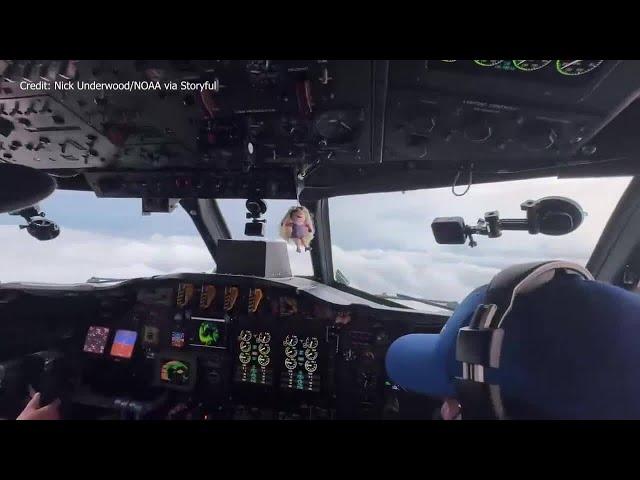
(571, 350)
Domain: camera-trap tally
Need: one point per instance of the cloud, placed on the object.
(403, 220)
(433, 275)
(76, 256)
(382, 243)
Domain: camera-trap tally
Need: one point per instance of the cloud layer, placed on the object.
(76, 256)
(382, 243)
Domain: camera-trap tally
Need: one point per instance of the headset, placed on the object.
(479, 345)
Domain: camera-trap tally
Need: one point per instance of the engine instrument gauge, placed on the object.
(310, 366)
(302, 364)
(290, 363)
(488, 63)
(254, 362)
(263, 337)
(530, 65)
(310, 342)
(577, 67)
(338, 125)
(290, 340)
(290, 352)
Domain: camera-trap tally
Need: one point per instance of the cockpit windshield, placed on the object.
(234, 215)
(101, 237)
(110, 238)
(382, 243)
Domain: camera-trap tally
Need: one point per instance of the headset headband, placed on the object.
(480, 344)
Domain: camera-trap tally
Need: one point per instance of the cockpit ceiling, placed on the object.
(232, 129)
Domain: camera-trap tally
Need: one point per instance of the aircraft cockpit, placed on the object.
(247, 239)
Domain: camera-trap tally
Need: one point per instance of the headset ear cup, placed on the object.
(479, 346)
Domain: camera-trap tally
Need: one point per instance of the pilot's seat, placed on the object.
(541, 341)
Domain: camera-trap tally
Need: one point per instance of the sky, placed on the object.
(382, 242)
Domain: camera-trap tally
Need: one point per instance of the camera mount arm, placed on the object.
(549, 216)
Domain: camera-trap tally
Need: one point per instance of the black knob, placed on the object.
(477, 129)
(421, 120)
(537, 135)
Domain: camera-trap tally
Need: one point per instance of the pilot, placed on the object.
(570, 351)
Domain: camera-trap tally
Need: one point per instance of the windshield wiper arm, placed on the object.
(105, 280)
(434, 303)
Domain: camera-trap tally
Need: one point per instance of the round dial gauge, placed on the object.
(577, 67)
(488, 63)
(310, 366)
(245, 335)
(290, 363)
(263, 360)
(264, 349)
(245, 346)
(310, 342)
(311, 354)
(290, 340)
(290, 352)
(338, 125)
(264, 337)
(244, 358)
(530, 65)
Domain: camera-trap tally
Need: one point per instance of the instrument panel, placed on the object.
(233, 349)
(270, 338)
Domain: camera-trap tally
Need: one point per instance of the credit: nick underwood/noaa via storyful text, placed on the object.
(128, 86)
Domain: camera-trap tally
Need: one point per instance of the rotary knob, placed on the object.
(477, 129)
(538, 135)
(422, 120)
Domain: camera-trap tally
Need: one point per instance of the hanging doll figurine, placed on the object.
(298, 226)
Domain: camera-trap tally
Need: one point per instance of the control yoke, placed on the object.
(549, 216)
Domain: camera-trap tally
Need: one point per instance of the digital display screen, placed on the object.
(177, 339)
(208, 332)
(96, 340)
(301, 364)
(254, 358)
(175, 372)
(123, 343)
